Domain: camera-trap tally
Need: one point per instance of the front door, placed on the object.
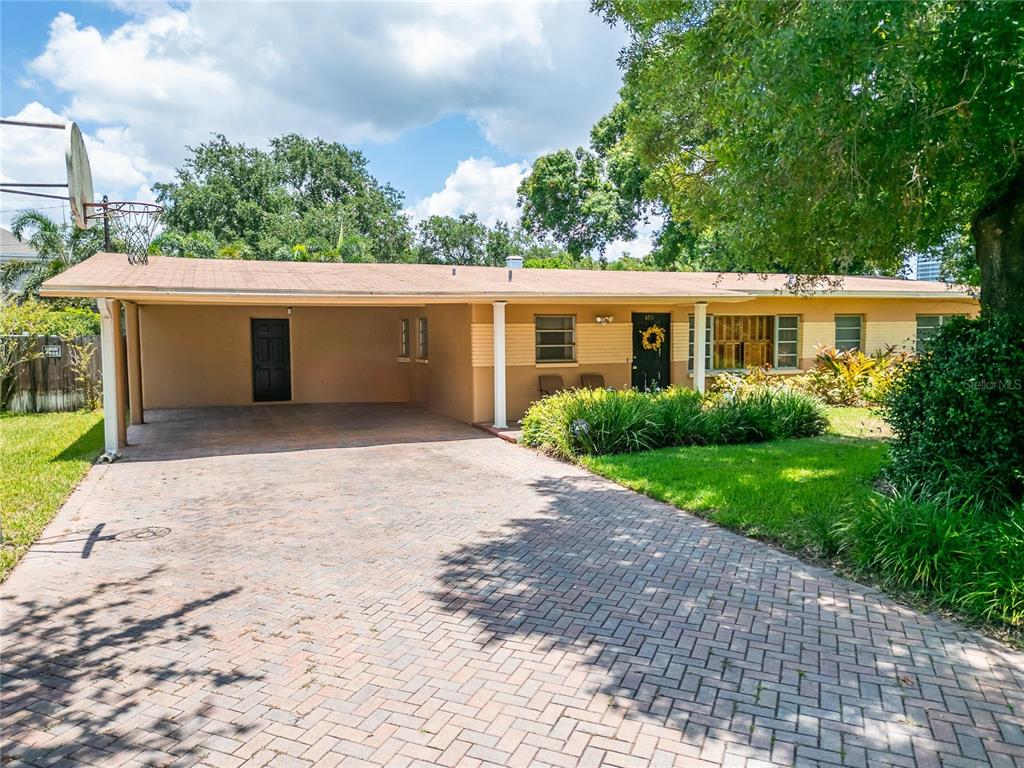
(271, 361)
(651, 344)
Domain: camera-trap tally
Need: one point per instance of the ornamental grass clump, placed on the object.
(948, 546)
(681, 416)
(592, 421)
(588, 422)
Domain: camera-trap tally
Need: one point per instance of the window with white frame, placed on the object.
(736, 342)
(787, 341)
(403, 338)
(849, 332)
(709, 338)
(928, 326)
(555, 337)
(422, 347)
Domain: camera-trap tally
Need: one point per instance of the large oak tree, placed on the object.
(835, 133)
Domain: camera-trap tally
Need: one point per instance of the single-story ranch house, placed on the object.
(478, 344)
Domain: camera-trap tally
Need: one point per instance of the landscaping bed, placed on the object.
(45, 455)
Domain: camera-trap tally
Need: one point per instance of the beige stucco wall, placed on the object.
(449, 372)
(202, 355)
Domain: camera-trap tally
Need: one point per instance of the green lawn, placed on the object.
(787, 491)
(44, 457)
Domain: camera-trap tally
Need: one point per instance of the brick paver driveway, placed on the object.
(325, 585)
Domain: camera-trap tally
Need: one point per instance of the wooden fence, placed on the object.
(50, 382)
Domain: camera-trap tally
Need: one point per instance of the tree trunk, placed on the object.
(999, 248)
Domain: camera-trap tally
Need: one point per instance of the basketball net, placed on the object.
(128, 226)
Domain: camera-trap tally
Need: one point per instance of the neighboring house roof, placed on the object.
(166, 278)
(13, 249)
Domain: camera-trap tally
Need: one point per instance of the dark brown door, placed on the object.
(651, 361)
(271, 361)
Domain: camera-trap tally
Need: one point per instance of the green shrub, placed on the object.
(681, 417)
(592, 421)
(38, 317)
(851, 377)
(745, 418)
(948, 547)
(957, 412)
(797, 414)
(587, 422)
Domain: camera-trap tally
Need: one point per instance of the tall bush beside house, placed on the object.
(957, 412)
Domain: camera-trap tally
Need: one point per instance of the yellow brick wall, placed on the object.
(520, 344)
(815, 333)
(879, 335)
(611, 343)
(481, 336)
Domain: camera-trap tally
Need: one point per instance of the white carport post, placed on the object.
(700, 340)
(500, 415)
(107, 308)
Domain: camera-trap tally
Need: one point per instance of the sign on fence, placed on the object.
(57, 375)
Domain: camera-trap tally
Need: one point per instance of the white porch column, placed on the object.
(131, 317)
(500, 416)
(700, 321)
(107, 308)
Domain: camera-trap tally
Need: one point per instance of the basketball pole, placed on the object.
(106, 227)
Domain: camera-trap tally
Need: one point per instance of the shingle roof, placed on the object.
(110, 275)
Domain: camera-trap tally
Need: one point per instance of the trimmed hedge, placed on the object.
(590, 422)
(957, 412)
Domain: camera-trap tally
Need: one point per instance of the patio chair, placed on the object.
(550, 384)
(591, 381)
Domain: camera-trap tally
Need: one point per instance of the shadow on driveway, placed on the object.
(723, 638)
(61, 660)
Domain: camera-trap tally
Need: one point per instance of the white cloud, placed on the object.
(535, 76)
(36, 155)
(477, 186)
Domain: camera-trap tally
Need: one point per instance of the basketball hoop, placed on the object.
(128, 224)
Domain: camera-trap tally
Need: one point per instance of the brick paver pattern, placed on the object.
(358, 585)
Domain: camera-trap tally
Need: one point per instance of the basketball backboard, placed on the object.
(80, 193)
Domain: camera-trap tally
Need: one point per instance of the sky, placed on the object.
(450, 102)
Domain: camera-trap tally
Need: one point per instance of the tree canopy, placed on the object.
(834, 136)
(304, 198)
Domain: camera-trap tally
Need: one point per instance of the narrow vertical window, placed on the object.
(709, 339)
(403, 338)
(421, 336)
(787, 348)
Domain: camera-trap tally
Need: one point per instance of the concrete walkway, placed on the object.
(332, 585)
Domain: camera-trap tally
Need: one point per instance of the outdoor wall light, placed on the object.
(603, 319)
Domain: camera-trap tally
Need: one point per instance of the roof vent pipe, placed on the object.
(514, 262)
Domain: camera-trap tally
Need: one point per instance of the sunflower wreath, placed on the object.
(653, 338)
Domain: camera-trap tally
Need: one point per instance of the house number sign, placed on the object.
(51, 350)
